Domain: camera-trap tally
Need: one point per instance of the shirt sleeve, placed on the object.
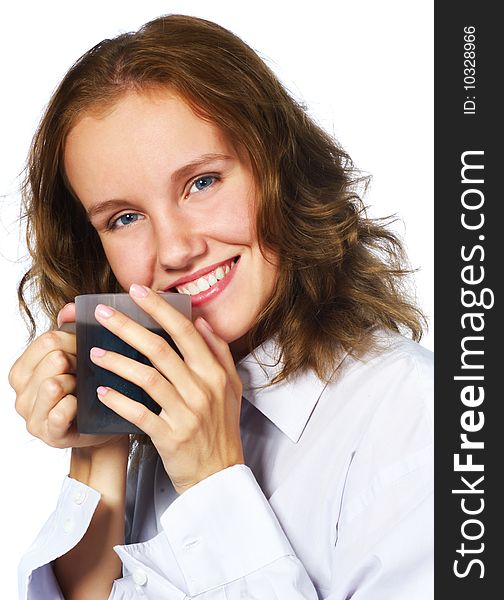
(227, 543)
(62, 531)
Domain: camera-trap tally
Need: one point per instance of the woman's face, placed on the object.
(171, 200)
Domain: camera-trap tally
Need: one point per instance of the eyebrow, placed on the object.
(182, 172)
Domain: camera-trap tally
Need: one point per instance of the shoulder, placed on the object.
(397, 354)
(396, 372)
(384, 397)
(407, 361)
(408, 367)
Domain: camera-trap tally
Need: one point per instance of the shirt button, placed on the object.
(67, 525)
(79, 497)
(140, 577)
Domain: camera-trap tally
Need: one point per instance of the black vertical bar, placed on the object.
(469, 210)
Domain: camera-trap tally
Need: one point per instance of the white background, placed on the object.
(364, 68)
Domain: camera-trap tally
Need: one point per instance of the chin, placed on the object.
(227, 328)
(229, 335)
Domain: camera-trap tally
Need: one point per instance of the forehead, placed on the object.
(157, 118)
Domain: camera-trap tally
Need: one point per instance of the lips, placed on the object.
(204, 279)
(205, 289)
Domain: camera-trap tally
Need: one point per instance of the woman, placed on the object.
(292, 456)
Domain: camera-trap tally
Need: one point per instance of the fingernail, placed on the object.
(97, 352)
(139, 291)
(58, 318)
(102, 390)
(103, 311)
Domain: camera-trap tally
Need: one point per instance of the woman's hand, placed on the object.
(43, 378)
(197, 432)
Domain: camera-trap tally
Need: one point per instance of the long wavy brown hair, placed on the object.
(341, 274)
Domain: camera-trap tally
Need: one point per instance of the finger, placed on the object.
(66, 314)
(50, 393)
(151, 345)
(222, 352)
(145, 377)
(52, 365)
(55, 363)
(60, 420)
(23, 369)
(189, 341)
(61, 429)
(134, 412)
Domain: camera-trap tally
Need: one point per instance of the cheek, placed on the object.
(129, 263)
(269, 275)
(234, 219)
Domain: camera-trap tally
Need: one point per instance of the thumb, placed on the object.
(66, 314)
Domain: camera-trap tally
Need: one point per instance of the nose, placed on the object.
(177, 241)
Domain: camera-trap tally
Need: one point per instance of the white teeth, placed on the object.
(233, 264)
(202, 284)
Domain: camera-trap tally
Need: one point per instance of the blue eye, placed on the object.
(201, 183)
(124, 220)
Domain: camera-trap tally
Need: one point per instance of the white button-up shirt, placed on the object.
(334, 501)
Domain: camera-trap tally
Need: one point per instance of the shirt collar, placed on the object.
(288, 404)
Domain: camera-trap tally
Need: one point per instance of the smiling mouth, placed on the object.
(205, 282)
